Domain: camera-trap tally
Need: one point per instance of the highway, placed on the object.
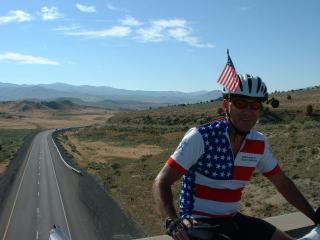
(45, 192)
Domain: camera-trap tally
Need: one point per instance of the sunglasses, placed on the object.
(242, 104)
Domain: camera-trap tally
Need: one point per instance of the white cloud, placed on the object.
(184, 35)
(151, 34)
(111, 7)
(158, 31)
(116, 31)
(26, 59)
(130, 21)
(115, 9)
(155, 31)
(85, 8)
(164, 23)
(66, 28)
(178, 29)
(15, 16)
(50, 13)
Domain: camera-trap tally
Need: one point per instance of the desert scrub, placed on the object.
(10, 141)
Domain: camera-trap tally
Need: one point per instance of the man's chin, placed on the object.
(245, 128)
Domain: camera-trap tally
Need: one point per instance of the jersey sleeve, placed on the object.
(188, 151)
(268, 164)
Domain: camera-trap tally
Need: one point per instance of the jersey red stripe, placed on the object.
(172, 163)
(215, 194)
(272, 172)
(253, 146)
(242, 173)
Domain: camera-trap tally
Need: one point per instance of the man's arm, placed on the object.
(162, 195)
(162, 192)
(291, 193)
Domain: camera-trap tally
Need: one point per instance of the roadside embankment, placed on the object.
(107, 215)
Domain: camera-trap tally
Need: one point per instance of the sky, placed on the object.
(159, 45)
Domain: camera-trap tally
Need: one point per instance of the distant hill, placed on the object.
(29, 106)
(102, 96)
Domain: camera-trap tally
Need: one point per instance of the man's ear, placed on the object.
(225, 105)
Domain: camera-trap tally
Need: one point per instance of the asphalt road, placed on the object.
(44, 193)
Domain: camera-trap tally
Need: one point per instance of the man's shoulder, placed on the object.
(218, 123)
(254, 134)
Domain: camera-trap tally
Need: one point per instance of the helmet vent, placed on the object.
(250, 84)
(265, 90)
(240, 83)
(259, 84)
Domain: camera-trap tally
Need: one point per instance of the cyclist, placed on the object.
(216, 161)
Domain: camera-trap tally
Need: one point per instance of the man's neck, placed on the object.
(235, 141)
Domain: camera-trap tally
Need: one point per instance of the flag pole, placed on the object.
(229, 95)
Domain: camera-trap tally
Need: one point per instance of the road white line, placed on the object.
(38, 211)
(64, 212)
(16, 197)
(38, 194)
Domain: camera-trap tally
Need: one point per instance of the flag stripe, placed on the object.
(229, 78)
(215, 194)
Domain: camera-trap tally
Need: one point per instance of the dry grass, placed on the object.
(100, 151)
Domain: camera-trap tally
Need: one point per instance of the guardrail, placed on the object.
(295, 224)
(64, 162)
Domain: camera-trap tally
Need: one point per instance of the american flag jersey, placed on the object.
(213, 179)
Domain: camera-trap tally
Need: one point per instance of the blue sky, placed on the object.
(175, 45)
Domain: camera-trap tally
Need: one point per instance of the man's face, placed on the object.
(244, 112)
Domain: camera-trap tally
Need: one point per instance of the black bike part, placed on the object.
(174, 226)
(317, 220)
(205, 231)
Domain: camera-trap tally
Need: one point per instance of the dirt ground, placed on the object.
(52, 119)
(3, 167)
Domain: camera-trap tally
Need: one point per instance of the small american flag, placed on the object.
(229, 78)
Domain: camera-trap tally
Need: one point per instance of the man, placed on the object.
(216, 161)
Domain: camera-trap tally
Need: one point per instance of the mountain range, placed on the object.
(102, 96)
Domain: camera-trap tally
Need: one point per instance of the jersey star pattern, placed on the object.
(213, 179)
